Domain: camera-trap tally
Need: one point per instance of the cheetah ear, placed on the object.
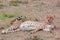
(53, 16)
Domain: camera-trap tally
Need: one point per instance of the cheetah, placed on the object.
(34, 26)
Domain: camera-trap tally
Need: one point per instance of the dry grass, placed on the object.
(33, 6)
(1, 28)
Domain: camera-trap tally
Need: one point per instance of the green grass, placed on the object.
(1, 5)
(6, 16)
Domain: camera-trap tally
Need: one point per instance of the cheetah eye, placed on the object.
(18, 17)
(21, 16)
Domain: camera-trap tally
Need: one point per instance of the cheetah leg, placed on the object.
(17, 30)
(34, 31)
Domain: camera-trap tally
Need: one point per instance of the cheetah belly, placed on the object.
(28, 25)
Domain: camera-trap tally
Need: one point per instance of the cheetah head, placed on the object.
(50, 18)
(20, 18)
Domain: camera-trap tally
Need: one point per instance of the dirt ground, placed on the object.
(33, 9)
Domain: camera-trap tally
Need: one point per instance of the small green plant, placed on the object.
(1, 5)
(16, 2)
(5, 16)
(37, 38)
